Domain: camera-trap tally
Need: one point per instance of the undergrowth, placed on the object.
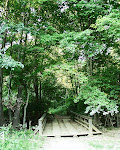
(19, 140)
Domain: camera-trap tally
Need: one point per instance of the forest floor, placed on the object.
(109, 140)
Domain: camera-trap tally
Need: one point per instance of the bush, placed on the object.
(19, 140)
(96, 101)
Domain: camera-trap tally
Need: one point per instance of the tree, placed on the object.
(75, 42)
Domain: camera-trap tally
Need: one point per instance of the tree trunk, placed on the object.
(1, 83)
(1, 69)
(19, 97)
(40, 90)
(9, 90)
(9, 94)
(25, 108)
(1, 106)
(71, 79)
(41, 99)
(76, 86)
(36, 88)
(91, 68)
(17, 109)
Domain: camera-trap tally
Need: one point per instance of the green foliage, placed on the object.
(69, 50)
(19, 140)
(81, 41)
(110, 24)
(96, 100)
(7, 61)
(48, 39)
(61, 110)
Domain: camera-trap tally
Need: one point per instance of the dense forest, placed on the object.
(57, 56)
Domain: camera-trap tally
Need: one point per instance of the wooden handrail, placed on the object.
(43, 116)
(42, 123)
(83, 116)
(85, 121)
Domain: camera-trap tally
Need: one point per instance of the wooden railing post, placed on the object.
(40, 127)
(90, 127)
(30, 124)
(42, 123)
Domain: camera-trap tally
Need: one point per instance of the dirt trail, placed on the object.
(109, 140)
(66, 143)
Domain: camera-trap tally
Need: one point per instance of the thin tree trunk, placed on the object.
(9, 93)
(19, 97)
(1, 84)
(1, 69)
(72, 84)
(25, 21)
(76, 87)
(9, 90)
(17, 110)
(91, 68)
(25, 108)
(88, 72)
(40, 90)
(36, 88)
(41, 99)
(1, 106)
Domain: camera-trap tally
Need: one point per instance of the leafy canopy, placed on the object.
(96, 101)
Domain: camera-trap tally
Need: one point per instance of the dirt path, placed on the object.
(68, 143)
(107, 141)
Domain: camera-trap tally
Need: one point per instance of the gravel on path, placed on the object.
(65, 143)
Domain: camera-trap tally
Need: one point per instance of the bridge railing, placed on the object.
(86, 122)
(42, 123)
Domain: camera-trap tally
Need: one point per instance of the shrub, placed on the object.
(19, 140)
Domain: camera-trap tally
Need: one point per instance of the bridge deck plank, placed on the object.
(64, 127)
(71, 129)
(63, 130)
(78, 127)
(56, 128)
(48, 129)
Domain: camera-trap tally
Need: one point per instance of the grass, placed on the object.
(19, 140)
(61, 110)
(97, 145)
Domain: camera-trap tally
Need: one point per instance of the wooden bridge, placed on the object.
(58, 126)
